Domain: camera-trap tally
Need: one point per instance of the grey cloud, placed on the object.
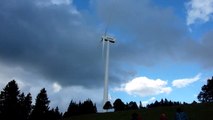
(154, 33)
(200, 51)
(50, 41)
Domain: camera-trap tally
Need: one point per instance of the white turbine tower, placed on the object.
(105, 54)
(106, 39)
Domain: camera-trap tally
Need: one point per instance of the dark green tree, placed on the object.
(88, 107)
(107, 106)
(194, 102)
(25, 104)
(156, 103)
(41, 108)
(166, 102)
(206, 94)
(1, 104)
(73, 109)
(118, 105)
(21, 106)
(28, 104)
(54, 114)
(170, 103)
(132, 106)
(9, 102)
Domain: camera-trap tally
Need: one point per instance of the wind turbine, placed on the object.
(106, 39)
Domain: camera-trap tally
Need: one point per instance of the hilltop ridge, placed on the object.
(194, 111)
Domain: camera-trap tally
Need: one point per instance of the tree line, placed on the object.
(15, 105)
(74, 108)
(119, 105)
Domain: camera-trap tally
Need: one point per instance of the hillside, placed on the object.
(195, 112)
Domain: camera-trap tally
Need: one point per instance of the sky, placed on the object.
(163, 49)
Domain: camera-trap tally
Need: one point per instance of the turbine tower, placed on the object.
(106, 39)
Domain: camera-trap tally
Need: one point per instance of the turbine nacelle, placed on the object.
(108, 38)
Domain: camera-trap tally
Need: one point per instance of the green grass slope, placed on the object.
(194, 112)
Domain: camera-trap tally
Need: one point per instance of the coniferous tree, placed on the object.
(73, 109)
(161, 103)
(194, 102)
(41, 108)
(156, 104)
(118, 105)
(25, 103)
(9, 102)
(166, 102)
(132, 106)
(170, 103)
(54, 114)
(28, 104)
(107, 106)
(1, 104)
(21, 106)
(58, 114)
(88, 107)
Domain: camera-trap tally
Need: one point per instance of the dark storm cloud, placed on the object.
(50, 40)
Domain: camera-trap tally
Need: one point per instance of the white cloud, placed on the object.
(199, 10)
(56, 87)
(179, 83)
(144, 86)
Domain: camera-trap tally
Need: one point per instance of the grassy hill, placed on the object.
(194, 112)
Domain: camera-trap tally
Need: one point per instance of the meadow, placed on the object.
(194, 112)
